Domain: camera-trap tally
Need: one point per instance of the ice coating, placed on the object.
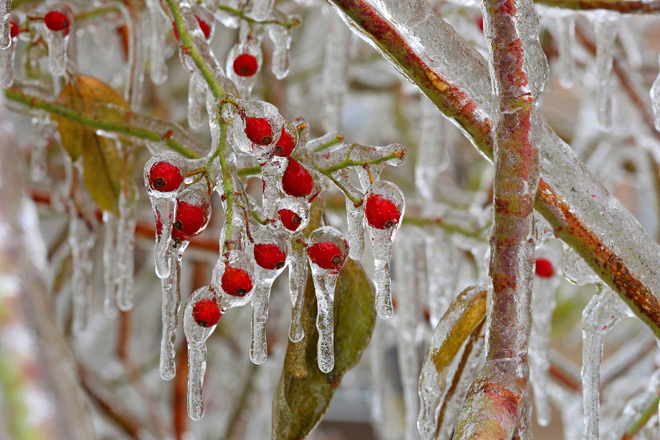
(261, 9)
(244, 83)
(196, 101)
(235, 259)
(81, 240)
(576, 270)
(5, 36)
(281, 38)
(271, 175)
(261, 296)
(604, 310)
(256, 128)
(382, 240)
(297, 284)
(635, 408)
(442, 273)
(126, 246)
(325, 280)
(7, 46)
(297, 206)
(159, 28)
(196, 337)
(655, 101)
(433, 156)
(566, 62)
(57, 43)
(334, 77)
(171, 288)
(543, 305)
(44, 133)
(355, 220)
(606, 25)
(110, 265)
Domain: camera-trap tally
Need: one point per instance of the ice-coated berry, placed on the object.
(56, 21)
(285, 144)
(165, 177)
(289, 219)
(235, 281)
(258, 130)
(326, 255)
(13, 29)
(381, 213)
(190, 220)
(269, 256)
(296, 180)
(544, 268)
(245, 65)
(206, 312)
(204, 26)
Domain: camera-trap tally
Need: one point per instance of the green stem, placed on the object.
(98, 122)
(92, 13)
(227, 183)
(646, 415)
(250, 171)
(357, 163)
(451, 228)
(329, 144)
(240, 14)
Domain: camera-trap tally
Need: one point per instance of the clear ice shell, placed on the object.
(254, 109)
(236, 259)
(196, 337)
(126, 224)
(296, 205)
(244, 84)
(58, 41)
(281, 38)
(606, 26)
(110, 265)
(566, 60)
(159, 28)
(382, 241)
(171, 290)
(196, 101)
(335, 68)
(43, 134)
(271, 176)
(325, 281)
(5, 14)
(81, 240)
(7, 64)
(297, 283)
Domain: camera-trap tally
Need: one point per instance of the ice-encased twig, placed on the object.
(603, 311)
(606, 26)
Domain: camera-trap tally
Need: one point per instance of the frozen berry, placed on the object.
(165, 177)
(326, 255)
(245, 65)
(56, 21)
(258, 130)
(269, 256)
(296, 180)
(13, 29)
(204, 26)
(381, 213)
(206, 312)
(544, 268)
(289, 219)
(190, 220)
(285, 144)
(235, 281)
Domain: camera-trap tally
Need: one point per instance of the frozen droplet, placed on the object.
(606, 25)
(196, 336)
(355, 220)
(256, 129)
(281, 38)
(334, 77)
(327, 252)
(5, 14)
(110, 264)
(81, 240)
(271, 176)
(58, 41)
(164, 212)
(433, 158)
(126, 245)
(159, 28)
(566, 60)
(297, 283)
(604, 310)
(244, 62)
(655, 101)
(576, 270)
(233, 277)
(196, 101)
(384, 210)
(171, 288)
(7, 60)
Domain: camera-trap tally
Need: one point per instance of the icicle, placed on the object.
(524, 429)
(171, 287)
(244, 62)
(442, 273)
(271, 256)
(566, 61)
(655, 100)
(271, 176)
(126, 246)
(43, 133)
(327, 253)
(5, 36)
(196, 101)
(159, 28)
(57, 43)
(604, 310)
(110, 264)
(605, 27)
(544, 302)
(196, 336)
(636, 406)
(569, 404)
(377, 363)
(355, 220)
(407, 290)
(433, 158)
(335, 67)
(297, 283)
(384, 209)
(281, 38)
(81, 240)
(261, 9)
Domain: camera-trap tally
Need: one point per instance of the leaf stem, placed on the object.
(239, 13)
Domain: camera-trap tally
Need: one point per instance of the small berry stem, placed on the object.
(358, 163)
(329, 144)
(227, 183)
(250, 20)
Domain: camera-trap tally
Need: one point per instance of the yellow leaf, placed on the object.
(102, 169)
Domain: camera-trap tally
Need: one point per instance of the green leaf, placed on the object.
(102, 170)
(304, 393)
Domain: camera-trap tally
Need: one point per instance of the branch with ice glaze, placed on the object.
(506, 373)
(581, 211)
(623, 6)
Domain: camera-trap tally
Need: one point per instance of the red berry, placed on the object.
(190, 220)
(258, 130)
(326, 255)
(56, 21)
(296, 180)
(544, 268)
(204, 26)
(269, 256)
(206, 312)
(245, 65)
(236, 282)
(285, 144)
(165, 177)
(289, 219)
(381, 213)
(13, 29)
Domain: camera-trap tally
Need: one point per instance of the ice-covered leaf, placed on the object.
(102, 170)
(83, 93)
(304, 393)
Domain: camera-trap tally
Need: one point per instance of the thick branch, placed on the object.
(623, 6)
